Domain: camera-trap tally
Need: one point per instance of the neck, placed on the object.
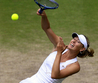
(71, 54)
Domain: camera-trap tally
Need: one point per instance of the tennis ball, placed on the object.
(14, 16)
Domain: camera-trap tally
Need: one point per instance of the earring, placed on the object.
(81, 52)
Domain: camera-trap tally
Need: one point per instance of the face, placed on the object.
(76, 45)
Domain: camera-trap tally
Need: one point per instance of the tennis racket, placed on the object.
(46, 4)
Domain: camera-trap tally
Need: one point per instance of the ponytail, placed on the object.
(86, 53)
(90, 52)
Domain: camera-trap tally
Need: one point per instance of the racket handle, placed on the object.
(40, 11)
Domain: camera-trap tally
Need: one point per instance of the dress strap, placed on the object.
(65, 51)
(68, 62)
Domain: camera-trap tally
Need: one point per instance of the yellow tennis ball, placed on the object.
(14, 16)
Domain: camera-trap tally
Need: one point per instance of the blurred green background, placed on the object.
(72, 16)
(25, 34)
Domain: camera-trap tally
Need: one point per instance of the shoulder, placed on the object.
(74, 67)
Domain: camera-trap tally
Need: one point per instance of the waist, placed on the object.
(45, 77)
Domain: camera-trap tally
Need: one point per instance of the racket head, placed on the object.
(46, 4)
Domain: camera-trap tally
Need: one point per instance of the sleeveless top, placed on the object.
(44, 73)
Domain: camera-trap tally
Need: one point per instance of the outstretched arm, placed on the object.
(46, 27)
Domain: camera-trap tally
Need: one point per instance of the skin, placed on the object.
(74, 47)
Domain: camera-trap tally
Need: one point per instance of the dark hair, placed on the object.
(88, 52)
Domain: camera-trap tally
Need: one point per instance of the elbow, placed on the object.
(54, 77)
(45, 28)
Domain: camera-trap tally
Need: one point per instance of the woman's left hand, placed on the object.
(61, 46)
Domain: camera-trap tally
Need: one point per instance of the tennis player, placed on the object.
(62, 61)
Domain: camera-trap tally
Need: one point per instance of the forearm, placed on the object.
(56, 66)
(46, 27)
(45, 22)
(56, 73)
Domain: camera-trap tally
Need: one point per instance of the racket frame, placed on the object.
(43, 7)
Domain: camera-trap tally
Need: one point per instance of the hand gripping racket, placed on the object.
(46, 4)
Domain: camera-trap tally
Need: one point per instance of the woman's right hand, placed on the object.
(43, 13)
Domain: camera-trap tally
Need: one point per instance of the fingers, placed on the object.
(61, 46)
(42, 14)
(65, 47)
(61, 41)
(38, 12)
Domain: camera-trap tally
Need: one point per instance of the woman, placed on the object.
(62, 62)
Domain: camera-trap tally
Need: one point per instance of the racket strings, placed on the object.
(49, 3)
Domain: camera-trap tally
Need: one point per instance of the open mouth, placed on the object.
(72, 45)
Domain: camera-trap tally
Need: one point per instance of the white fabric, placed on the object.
(83, 40)
(44, 73)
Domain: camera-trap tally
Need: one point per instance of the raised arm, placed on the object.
(46, 27)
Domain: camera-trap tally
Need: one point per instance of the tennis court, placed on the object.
(24, 45)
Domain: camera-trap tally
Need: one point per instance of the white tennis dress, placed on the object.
(44, 73)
